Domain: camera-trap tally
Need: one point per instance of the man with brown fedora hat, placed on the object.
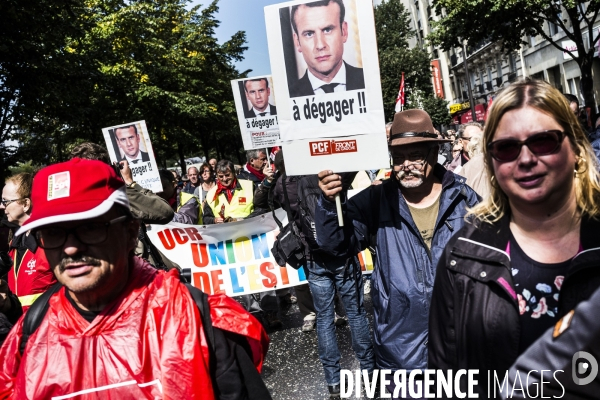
(411, 216)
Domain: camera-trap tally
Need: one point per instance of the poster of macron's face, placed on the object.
(256, 111)
(326, 74)
(130, 142)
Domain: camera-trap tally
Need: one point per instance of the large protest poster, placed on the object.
(326, 78)
(257, 112)
(131, 142)
(233, 258)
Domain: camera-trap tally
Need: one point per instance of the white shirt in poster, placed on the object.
(339, 78)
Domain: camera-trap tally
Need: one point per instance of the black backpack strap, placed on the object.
(288, 207)
(271, 201)
(35, 315)
(201, 300)
(236, 374)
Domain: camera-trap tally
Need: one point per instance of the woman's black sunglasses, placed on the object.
(540, 144)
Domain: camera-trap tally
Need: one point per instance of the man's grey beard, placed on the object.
(410, 184)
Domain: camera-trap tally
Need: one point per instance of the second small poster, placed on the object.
(257, 112)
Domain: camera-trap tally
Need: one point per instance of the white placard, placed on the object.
(233, 258)
(311, 49)
(257, 112)
(131, 142)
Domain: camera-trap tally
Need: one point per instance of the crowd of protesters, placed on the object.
(484, 239)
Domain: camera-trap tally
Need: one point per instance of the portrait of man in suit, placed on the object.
(257, 93)
(128, 140)
(320, 31)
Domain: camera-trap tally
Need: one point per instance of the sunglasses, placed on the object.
(540, 144)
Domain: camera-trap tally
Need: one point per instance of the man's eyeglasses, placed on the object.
(90, 233)
(416, 163)
(5, 203)
(416, 166)
(540, 144)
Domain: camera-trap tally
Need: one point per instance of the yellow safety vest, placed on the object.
(184, 197)
(241, 205)
(361, 180)
(384, 174)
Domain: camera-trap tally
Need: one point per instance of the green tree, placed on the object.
(37, 76)
(437, 108)
(124, 61)
(508, 21)
(392, 24)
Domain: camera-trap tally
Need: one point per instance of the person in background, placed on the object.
(207, 182)
(595, 139)
(213, 164)
(451, 134)
(193, 181)
(231, 199)
(303, 295)
(254, 170)
(530, 252)
(465, 133)
(474, 171)
(30, 274)
(186, 206)
(456, 150)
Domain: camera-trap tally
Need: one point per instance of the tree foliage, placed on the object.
(508, 21)
(392, 24)
(106, 62)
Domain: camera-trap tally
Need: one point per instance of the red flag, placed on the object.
(274, 152)
(400, 98)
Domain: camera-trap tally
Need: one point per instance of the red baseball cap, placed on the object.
(74, 190)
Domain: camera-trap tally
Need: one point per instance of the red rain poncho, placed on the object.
(146, 344)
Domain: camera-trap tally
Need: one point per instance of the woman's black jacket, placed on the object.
(474, 316)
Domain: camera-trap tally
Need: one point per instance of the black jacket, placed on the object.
(474, 318)
(251, 114)
(354, 80)
(555, 352)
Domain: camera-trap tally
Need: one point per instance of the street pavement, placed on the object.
(292, 370)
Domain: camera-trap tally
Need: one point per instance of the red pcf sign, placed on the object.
(320, 148)
(326, 147)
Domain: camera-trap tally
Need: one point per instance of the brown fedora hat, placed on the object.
(413, 126)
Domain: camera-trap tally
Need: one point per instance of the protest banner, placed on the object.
(326, 78)
(257, 112)
(233, 258)
(131, 142)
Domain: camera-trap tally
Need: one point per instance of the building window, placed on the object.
(512, 59)
(499, 70)
(573, 85)
(553, 29)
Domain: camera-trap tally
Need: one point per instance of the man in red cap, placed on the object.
(411, 216)
(117, 328)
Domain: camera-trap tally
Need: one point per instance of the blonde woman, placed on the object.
(532, 249)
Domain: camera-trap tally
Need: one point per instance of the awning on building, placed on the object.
(465, 116)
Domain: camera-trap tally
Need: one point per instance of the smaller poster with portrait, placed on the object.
(131, 142)
(256, 111)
